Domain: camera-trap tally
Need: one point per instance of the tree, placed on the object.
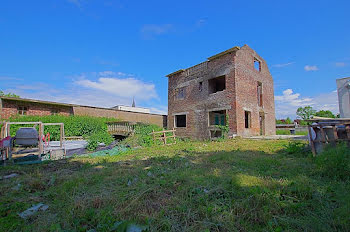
(325, 114)
(289, 121)
(2, 94)
(306, 112)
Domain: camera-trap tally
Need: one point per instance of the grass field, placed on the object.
(234, 185)
(287, 132)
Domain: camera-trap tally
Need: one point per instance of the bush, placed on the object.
(73, 125)
(296, 148)
(95, 139)
(142, 136)
(334, 162)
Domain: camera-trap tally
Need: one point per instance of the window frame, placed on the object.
(260, 94)
(178, 90)
(175, 121)
(259, 63)
(22, 110)
(218, 116)
(55, 111)
(215, 79)
(247, 119)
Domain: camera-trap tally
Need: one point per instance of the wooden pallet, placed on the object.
(320, 125)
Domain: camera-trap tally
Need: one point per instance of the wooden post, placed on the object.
(41, 134)
(312, 144)
(8, 131)
(323, 135)
(164, 137)
(61, 136)
(174, 136)
(347, 128)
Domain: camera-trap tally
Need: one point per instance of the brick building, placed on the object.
(18, 106)
(234, 86)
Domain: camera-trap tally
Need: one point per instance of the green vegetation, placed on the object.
(325, 114)
(231, 185)
(335, 162)
(2, 94)
(86, 126)
(286, 121)
(306, 112)
(287, 132)
(224, 128)
(142, 136)
(100, 137)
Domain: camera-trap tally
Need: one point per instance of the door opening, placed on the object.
(262, 123)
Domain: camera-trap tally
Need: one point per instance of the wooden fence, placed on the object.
(161, 135)
(120, 128)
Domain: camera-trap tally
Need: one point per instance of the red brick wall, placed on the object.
(246, 84)
(10, 108)
(240, 94)
(123, 115)
(197, 104)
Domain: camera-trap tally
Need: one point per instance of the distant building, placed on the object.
(10, 106)
(132, 109)
(343, 87)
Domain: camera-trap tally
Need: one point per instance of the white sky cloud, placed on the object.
(340, 64)
(110, 89)
(310, 68)
(288, 103)
(282, 65)
(122, 87)
(149, 31)
(10, 79)
(76, 2)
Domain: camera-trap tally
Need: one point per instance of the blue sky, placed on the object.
(104, 52)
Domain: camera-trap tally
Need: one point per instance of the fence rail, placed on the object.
(161, 135)
(120, 128)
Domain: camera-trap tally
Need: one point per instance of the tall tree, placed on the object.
(305, 112)
(325, 114)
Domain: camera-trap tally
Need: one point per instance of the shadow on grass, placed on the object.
(232, 190)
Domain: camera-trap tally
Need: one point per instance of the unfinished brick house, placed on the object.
(233, 88)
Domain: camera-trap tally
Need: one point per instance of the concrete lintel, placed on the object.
(181, 113)
(220, 108)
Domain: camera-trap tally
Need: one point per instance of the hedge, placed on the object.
(85, 126)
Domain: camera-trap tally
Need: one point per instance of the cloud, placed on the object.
(100, 89)
(122, 87)
(10, 79)
(310, 68)
(340, 64)
(293, 99)
(282, 65)
(159, 110)
(289, 102)
(201, 22)
(150, 31)
(78, 3)
(107, 62)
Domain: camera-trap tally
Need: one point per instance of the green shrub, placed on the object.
(142, 136)
(296, 148)
(334, 162)
(73, 125)
(95, 139)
